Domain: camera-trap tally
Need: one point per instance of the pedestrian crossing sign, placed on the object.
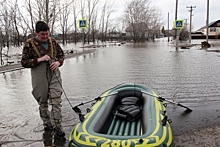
(179, 24)
(83, 23)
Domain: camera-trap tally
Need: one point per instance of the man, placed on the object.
(44, 56)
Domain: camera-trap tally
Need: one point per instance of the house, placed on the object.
(213, 31)
(114, 34)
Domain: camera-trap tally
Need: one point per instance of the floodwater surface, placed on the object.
(190, 77)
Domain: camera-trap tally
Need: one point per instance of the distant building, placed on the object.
(114, 34)
(213, 31)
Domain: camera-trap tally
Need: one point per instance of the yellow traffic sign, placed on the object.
(179, 24)
(83, 23)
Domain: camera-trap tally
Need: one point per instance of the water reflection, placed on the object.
(190, 77)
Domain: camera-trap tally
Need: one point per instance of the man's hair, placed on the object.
(41, 26)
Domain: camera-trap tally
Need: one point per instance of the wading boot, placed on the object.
(48, 127)
(59, 132)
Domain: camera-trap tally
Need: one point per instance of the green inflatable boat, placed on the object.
(128, 115)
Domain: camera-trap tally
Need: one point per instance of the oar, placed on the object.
(79, 112)
(96, 99)
(163, 99)
(178, 104)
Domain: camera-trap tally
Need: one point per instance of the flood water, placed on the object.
(190, 77)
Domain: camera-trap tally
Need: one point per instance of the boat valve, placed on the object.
(141, 140)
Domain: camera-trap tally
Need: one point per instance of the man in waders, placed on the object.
(44, 56)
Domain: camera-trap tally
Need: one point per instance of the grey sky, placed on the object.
(199, 13)
(165, 6)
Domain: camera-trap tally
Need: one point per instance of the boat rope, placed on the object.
(75, 108)
(63, 90)
(63, 93)
(14, 141)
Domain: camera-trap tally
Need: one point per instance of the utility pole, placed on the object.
(186, 23)
(47, 11)
(207, 23)
(176, 30)
(190, 27)
(168, 34)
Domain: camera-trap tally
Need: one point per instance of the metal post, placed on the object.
(176, 31)
(190, 30)
(83, 39)
(168, 34)
(190, 26)
(186, 24)
(207, 22)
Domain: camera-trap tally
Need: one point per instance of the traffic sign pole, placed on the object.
(83, 38)
(177, 39)
(178, 24)
(82, 24)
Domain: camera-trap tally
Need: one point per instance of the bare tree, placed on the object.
(75, 14)
(91, 5)
(184, 34)
(107, 11)
(16, 25)
(102, 22)
(1, 57)
(64, 17)
(53, 14)
(110, 10)
(154, 23)
(30, 11)
(41, 10)
(137, 16)
(10, 26)
(93, 25)
(5, 21)
(141, 19)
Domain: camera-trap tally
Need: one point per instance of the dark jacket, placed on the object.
(30, 55)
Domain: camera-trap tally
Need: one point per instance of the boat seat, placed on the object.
(129, 109)
(111, 124)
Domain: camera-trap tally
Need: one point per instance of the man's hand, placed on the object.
(54, 65)
(44, 58)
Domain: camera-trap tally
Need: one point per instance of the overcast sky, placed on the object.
(199, 13)
(168, 6)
